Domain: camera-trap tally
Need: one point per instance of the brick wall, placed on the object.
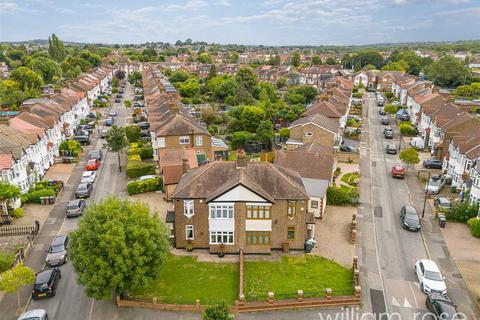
(173, 142)
(319, 135)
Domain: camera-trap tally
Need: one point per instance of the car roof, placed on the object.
(391, 145)
(410, 209)
(43, 276)
(398, 167)
(75, 202)
(83, 185)
(92, 160)
(88, 173)
(59, 240)
(429, 265)
(33, 313)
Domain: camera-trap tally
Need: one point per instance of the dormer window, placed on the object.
(188, 209)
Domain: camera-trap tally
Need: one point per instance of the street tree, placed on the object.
(295, 59)
(12, 280)
(390, 108)
(409, 156)
(118, 246)
(116, 142)
(251, 117)
(56, 48)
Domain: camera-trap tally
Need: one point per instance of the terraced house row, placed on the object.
(30, 141)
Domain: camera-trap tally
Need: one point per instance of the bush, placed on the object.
(342, 196)
(474, 225)
(73, 147)
(133, 133)
(388, 95)
(34, 196)
(6, 261)
(137, 169)
(462, 212)
(390, 108)
(146, 153)
(407, 129)
(135, 157)
(18, 213)
(147, 185)
(217, 312)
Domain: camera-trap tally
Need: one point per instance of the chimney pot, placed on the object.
(241, 159)
(185, 165)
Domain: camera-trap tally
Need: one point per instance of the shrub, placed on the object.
(135, 157)
(284, 133)
(407, 129)
(133, 133)
(73, 147)
(474, 225)
(146, 153)
(6, 261)
(133, 151)
(137, 169)
(18, 213)
(34, 196)
(390, 108)
(389, 95)
(342, 196)
(217, 312)
(147, 185)
(462, 212)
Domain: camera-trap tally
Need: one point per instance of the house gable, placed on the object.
(239, 194)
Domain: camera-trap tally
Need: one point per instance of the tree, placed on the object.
(281, 83)
(330, 61)
(47, 68)
(133, 133)
(134, 77)
(307, 91)
(204, 58)
(12, 280)
(178, 76)
(265, 133)
(448, 72)
(209, 116)
(213, 71)
(118, 246)
(116, 142)
(56, 48)
(274, 61)
(234, 56)
(390, 108)
(7, 191)
(12, 95)
(120, 74)
(246, 78)
(410, 156)
(369, 56)
(284, 133)
(251, 117)
(396, 66)
(217, 312)
(127, 103)
(27, 78)
(190, 88)
(472, 90)
(316, 61)
(295, 59)
(93, 59)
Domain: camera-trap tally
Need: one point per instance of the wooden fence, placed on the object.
(6, 231)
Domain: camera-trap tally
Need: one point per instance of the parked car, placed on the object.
(112, 113)
(118, 100)
(57, 253)
(88, 177)
(388, 133)
(433, 164)
(143, 125)
(109, 122)
(35, 314)
(83, 140)
(103, 133)
(46, 283)
(92, 115)
(398, 172)
(435, 184)
(430, 277)
(75, 208)
(119, 95)
(95, 154)
(92, 165)
(402, 115)
(391, 148)
(81, 132)
(356, 100)
(380, 102)
(385, 121)
(441, 306)
(83, 190)
(382, 112)
(346, 148)
(409, 218)
(417, 143)
(87, 127)
(442, 203)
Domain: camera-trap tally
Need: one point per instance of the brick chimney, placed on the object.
(185, 165)
(241, 159)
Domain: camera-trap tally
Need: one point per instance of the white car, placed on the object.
(35, 314)
(88, 177)
(435, 184)
(430, 277)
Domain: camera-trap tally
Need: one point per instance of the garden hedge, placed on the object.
(474, 225)
(461, 212)
(342, 196)
(155, 184)
(146, 153)
(34, 196)
(137, 169)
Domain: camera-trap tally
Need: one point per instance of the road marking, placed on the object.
(395, 302)
(413, 294)
(406, 304)
(91, 310)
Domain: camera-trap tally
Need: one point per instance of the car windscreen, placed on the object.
(73, 206)
(56, 249)
(82, 187)
(433, 275)
(434, 182)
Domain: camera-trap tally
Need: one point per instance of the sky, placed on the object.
(249, 22)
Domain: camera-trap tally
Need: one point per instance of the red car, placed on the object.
(92, 165)
(398, 172)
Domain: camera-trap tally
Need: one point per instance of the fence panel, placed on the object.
(6, 231)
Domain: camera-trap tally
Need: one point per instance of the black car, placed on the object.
(95, 154)
(86, 127)
(409, 218)
(385, 121)
(346, 148)
(441, 306)
(432, 164)
(143, 125)
(388, 133)
(118, 100)
(382, 112)
(83, 190)
(75, 208)
(46, 283)
(84, 140)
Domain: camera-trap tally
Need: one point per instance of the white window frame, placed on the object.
(316, 204)
(226, 210)
(189, 227)
(198, 141)
(161, 142)
(184, 139)
(188, 208)
(222, 235)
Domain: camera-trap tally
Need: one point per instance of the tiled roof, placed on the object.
(307, 164)
(319, 120)
(6, 161)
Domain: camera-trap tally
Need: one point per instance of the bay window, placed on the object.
(221, 211)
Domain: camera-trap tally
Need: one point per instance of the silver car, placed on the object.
(57, 253)
(35, 314)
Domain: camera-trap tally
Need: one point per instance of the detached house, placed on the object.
(224, 206)
(315, 128)
(387, 78)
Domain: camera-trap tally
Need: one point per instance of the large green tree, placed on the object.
(448, 72)
(251, 117)
(27, 78)
(56, 48)
(190, 88)
(49, 69)
(265, 133)
(116, 142)
(410, 156)
(118, 246)
(12, 280)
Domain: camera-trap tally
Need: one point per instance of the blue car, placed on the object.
(109, 122)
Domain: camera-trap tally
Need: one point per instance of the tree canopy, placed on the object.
(448, 72)
(116, 141)
(56, 48)
(409, 156)
(12, 280)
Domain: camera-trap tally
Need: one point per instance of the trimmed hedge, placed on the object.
(18, 213)
(146, 153)
(342, 196)
(461, 212)
(155, 184)
(474, 225)
(34, 196)
(137, 169)
(407, 129)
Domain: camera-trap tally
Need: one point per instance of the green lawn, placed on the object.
(350, 178)
(311, 274)
(182, 280)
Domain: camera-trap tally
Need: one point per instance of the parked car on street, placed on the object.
(95, 154)
(391, 148)
(430, 277)
(83, 190)
(83, 140)
(35, 314)
(402, 115)
(92, 165)
(112, 113)
(433, 164)
(441, 306)
(118, 100)
(398, 171)
(435, 184)
(46, 283)
(410, 219)
(88, 177)
(143, 125)
(109, 122)
(57, 253)
(75, 208)
(103, 133)
(385, 121)
(388, 133)
(87, 127)
(382, 112)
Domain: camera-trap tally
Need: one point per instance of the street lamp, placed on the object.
(426, 192)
